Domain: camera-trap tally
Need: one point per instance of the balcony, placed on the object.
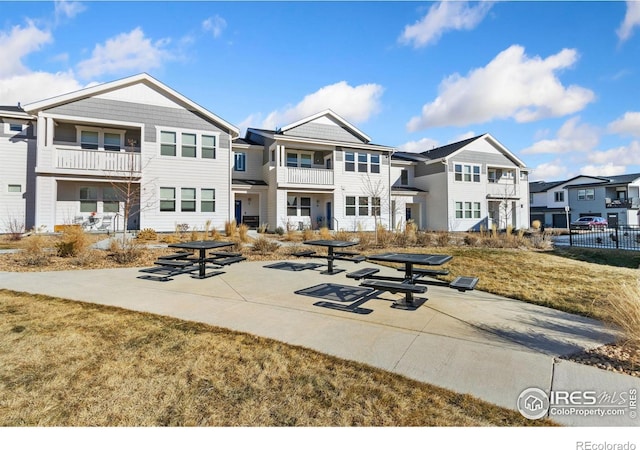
(301, 175)
(503, 190)
(631, 203)
(97, 160)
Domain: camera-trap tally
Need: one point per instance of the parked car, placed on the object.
(589, 223)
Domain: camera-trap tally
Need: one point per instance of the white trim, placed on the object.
(23, 132)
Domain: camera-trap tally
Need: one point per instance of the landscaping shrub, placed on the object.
(35, 252)
(325, 233)
(263, 228)
(74, 241)
(342, 235)
(243, 232)
(623, 310)
(124, 253)
(279, 231)
(230, 228)
(147, 234)
(265, 246)
(308, 234)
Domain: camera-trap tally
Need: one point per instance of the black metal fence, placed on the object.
(623, 237)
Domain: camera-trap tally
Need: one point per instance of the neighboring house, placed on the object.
(468, 185)
(318, 171)
(96, 143)
(617, 198)
(549, 200)
(17, 178)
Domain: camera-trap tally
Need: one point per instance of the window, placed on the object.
(207, 200)
(89, 140)
(188, 146)
(350, 203)
(88, 199)
(375, 163)
(239, 162)
(167, 143)
(404, 177)
(467, 210)
(586, 194)
(375, 206)
(187, 199)
(167, 199)
(350, 162)
(110, 203)
(292, 160)
(15, 188)
(363, 206)
(305, 206)
(466, 173)
(558, 196)
(305, 160)
(362, 162)
(209, 147)
(15, 127)
(292, 205)
(112, 142)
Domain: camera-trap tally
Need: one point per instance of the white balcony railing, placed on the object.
(299, 175)
(98, 160)
(503, 190)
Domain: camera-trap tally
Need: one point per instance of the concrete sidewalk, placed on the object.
(482, 344)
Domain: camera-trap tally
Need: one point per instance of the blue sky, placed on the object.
(557, 83)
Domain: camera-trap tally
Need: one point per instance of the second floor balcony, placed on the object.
(629, 203)
(98, 162)
(310, 176)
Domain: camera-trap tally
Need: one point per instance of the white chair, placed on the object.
(105, 224)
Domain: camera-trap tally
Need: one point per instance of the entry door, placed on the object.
(329, 217)
(238, 212)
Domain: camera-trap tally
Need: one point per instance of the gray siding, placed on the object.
(150, 115)
(323, 131)
(483, 159)
(429, 169)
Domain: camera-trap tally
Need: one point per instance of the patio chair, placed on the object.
(105, 224)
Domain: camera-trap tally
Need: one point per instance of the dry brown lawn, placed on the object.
(72, 364)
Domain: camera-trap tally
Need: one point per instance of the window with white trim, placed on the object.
(467, 173)
(349, 161)
(240, 162)
(305, 206)
(168, 143)
(586, 194)
(292, 205)
(189, 146)
(468, 210)
(88, 199)
(350, 206)
(14, 188)
(188, 200)
(15, 128)
(558, 196)
(207, 200)
(299, 160)
(404, 177)
(362, 162)
(208, 146)
(167, 199)
(110, 201)
(375, 163)
(362, 206)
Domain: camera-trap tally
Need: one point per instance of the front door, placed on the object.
(329, 218)
(238, 212)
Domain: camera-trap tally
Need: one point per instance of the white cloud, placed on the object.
(512, 85)
(36, 86)
(422, 145)
(215, 25)
(571, 137)
(68, 9)
(604, 170)
(631, 20)
(353, 103)
(443, 17)
(18, 43)
(125, 53)
(549, 171)
(629, 124)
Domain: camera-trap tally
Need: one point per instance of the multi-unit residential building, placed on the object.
(136, 148)
(468, 185)
(617, 198)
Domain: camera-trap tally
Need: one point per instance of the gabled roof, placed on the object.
(536, 187)
(446, 151)
(15, 112)
(122, 83)
(612, 180)
(332, 115)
